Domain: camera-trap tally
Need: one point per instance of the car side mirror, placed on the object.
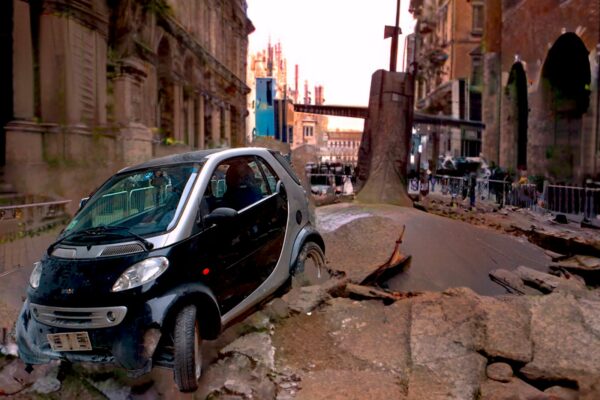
(220, 216)
(280, 189)
(83, 202)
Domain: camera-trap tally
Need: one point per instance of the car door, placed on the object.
(266, 220)
(244, 252)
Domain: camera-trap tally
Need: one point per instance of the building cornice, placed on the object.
(80, 10)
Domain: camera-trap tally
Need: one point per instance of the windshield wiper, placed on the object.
(102, 229)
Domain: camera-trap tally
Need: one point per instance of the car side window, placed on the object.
(236, 183)
(270, 175)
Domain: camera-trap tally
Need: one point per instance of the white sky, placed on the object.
(336, 43)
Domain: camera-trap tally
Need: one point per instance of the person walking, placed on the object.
(472, 189)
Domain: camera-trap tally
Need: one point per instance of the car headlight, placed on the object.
(140, 273)
(36, 274)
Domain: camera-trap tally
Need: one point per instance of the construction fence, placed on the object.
(572, 200)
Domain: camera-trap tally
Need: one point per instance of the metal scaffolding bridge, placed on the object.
(363, 112)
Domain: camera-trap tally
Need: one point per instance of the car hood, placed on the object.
(82, 282)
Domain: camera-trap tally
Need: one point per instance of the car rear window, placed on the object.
(286, 165)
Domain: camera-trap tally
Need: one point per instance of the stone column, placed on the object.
(491, 107)
(101, 79)
(189, 132)
(22, 62)
(227, 119)
(177, 112)
(72, 71)
(216, 126)
(128, 91)
(54, 68)
(136, 137)
(201, 129)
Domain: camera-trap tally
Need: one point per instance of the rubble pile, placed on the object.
(454, 344)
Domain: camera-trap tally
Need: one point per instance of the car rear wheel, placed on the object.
(310, 266)
(188, 358)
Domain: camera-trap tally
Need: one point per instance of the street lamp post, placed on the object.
(394, 32)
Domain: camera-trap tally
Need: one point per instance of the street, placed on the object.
(445, 252)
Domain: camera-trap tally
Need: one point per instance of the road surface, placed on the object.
(445, 252)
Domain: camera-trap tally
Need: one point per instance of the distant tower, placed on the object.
(296, 83)
(270, 60)
(319, 95)
(306, 93)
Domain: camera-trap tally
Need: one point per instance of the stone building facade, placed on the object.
(446, 49)
(98, 84)
(342, 146)
(541, 87)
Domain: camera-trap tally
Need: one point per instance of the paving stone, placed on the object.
(500, 372)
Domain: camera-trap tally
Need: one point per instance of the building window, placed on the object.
(478, 18)
(308, 131)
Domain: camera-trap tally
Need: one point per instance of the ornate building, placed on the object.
(342, 146)
(98, 84)
(541, 98)
(446, 49)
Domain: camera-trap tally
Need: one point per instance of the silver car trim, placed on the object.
(78, 318)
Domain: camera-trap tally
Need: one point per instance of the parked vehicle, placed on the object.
(165, 254)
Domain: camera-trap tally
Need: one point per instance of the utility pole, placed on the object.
(394, 32)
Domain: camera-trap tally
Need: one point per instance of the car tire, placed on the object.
(309, 268)
(188, 359)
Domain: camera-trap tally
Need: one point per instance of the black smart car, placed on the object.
(165, 254)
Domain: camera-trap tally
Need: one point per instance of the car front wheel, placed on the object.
(310, 268)
(188, 358)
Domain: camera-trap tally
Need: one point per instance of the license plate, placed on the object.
(71, 341)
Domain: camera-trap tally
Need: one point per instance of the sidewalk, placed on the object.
(16, 262)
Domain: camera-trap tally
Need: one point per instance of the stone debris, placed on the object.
(565, 331)
(548, 283)
(369, 292)
(524, 280)
(512, 282)
(14, 379)
(111, 388)
(501, 372)
(506, 328)
(515, 389)
(562, 393)
(307, 298)
(587, 267)
(555, 256)
(256, 346)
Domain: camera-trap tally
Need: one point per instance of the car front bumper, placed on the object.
(129, 343)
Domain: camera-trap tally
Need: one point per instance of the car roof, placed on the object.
(189, 157)
(181, 158)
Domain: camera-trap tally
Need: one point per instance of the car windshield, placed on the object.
(143, 202)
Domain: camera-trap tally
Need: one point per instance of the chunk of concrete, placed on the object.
(565, 332)
(501, 372)
(255, 345)
(516, 389)
(512, 282)
(507, 328)
(562, 393)
(548, 283)
(446, 330)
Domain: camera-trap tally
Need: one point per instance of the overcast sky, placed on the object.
(336, 43)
